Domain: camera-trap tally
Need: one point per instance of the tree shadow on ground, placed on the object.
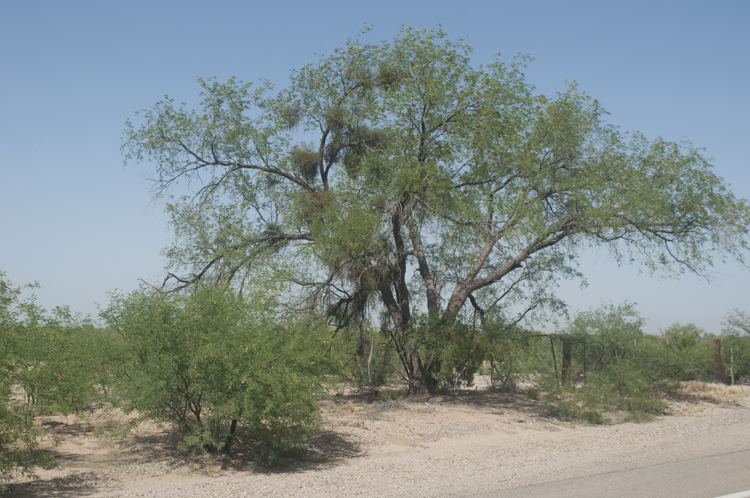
(137, 454)
(152, 449)
(65, 487)
(482, 400)
(491, 401)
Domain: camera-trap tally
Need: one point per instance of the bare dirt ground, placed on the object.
(469, 442)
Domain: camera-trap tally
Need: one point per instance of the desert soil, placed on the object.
(469, 442)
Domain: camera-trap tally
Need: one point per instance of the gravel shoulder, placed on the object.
(466, 443)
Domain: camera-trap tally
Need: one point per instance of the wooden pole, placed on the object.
(721, 376)
(584, 361)
(554, 360)
(567, 356)
(614, 346)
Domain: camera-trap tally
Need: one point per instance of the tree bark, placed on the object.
(721, 375)
(230, 437)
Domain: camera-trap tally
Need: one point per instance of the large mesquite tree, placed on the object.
(401, 179)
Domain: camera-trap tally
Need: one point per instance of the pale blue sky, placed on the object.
(72, 72)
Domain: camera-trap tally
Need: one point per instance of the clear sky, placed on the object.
(71, 73)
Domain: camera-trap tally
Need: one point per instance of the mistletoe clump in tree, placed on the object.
(401, 179)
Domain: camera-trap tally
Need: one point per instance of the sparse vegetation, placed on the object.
(234, 371)
(437, 209)
(711, 391)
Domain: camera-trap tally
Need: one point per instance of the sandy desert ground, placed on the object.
(468, 442)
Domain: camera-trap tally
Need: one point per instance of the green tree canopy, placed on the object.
(401, 178)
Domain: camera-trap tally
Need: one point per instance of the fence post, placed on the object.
(614, 346)
(721, 375)
(567, 355)
(554, 359)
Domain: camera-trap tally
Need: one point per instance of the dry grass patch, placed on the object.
(715, 393)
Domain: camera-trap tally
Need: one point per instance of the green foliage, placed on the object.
(58, 362)
(620, 387)
(736, 343)
(48, 365)
(612, 367)
(512, 355)
(387, 395)
(424, 159)
(220, 366)
(367, 359)
(18, 440)
(607, 336)
(690, 353)
(617, 367)
(452, 353)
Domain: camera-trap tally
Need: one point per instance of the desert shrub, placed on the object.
(736, 350)
(512, 354)
(690, 353)
(620, 387)
(18, 439)
(631, 389)
(450, 353)
(607, 336)
(56, 362)
(736, 343)
(367, 360)
(221, 366)
(46, 366)
(387, 394)
(464, 353)
(614, 366)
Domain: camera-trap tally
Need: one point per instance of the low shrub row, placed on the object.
(238, 371)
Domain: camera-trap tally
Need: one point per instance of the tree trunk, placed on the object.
(230, 437)
(429, 378)
(567, 355)
(721, 376)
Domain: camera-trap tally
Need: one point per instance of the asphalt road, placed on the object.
(705, 477)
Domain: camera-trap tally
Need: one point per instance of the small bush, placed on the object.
(220, 366)
(47, 358)
(387, 395)
(368, 360)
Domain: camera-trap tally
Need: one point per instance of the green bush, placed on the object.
(513, 355)
(46, 366)
(56, 362)
(449, 354)
(688, 353)
(614, 366)
(617, 388)
(221, 367)
(387, 395)
(736, 344)
(367, 359)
